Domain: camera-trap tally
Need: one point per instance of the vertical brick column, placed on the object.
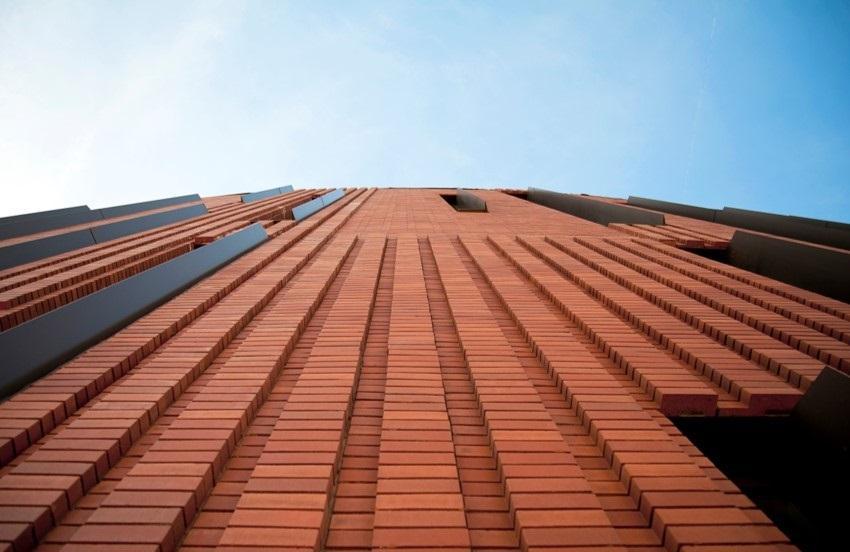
(36, 410)
(419, 502)
(673, 386)
(607, 409)
(746, 379)
(214, 421)
(288, 498)
(552, 503)
(106, 429)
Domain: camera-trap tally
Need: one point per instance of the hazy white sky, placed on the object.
(717, 103)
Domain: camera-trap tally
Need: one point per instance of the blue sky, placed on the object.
(736, 103)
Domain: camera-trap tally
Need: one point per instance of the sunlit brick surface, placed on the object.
(393, 374)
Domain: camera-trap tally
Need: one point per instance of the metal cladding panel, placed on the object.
(265, 194)
(306, 209)
(34, 348)
(30, 224)
(27, 252)
(43, 214)
(807, 266)
(780, 225)
(824, 410)
(467, 201)
(20, 253)
(594, 211)
(840, 225)
(682, 209)
(330, 197)
(257, 196)
(123, 228)
(834, 234)
(130, 208)
(818, 222)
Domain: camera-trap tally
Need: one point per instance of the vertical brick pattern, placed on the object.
(522, 434)
(748, 387)
(106, 430)
(390, 373)
(675, 388)
(419, 502)
(811, 342)
(556, 348)
(353, 513)
(741, 341)
(217, 416)
(290, 492)
(37, 409)
(488, 516)
(819, 320)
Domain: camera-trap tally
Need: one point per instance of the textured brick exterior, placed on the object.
(393, 374)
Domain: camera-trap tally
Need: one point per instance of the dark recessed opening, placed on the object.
(466, 204)
(522, 194)
(798, 480)
(719, 255)
(451, 199)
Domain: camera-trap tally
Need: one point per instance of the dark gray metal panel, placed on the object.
(802, 220)
(14, 219)
(264, 194)
(817, 269)
(306, 209)
(824, 410)
(37, 222)
(121, 210)
(834, 234)
(594, 211)
(789, 227)
(701, 213)
(467, 201)
(33, 250)
(818, 222)
(106, 232)
(31, 223)
(838, 225)
(26, 252)
(33, 349)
